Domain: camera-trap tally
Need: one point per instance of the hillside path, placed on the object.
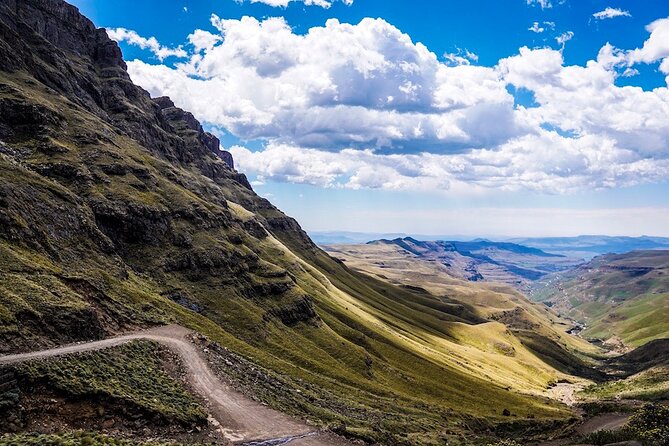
(240, 419)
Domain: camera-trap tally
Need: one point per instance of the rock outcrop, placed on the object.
(103, 182)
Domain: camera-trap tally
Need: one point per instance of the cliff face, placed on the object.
(63, 50)
(101, 180)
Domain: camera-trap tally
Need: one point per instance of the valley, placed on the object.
(473, 261)
(616, 295)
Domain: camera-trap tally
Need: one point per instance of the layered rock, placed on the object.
(104, 182)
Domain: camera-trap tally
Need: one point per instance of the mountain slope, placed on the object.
(534, 326)
(118, 211)
(623, 295)
(476, 260)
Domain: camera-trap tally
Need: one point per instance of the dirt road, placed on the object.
(239, 418)
(608, 421)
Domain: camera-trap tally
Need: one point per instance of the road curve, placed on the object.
(239, 418)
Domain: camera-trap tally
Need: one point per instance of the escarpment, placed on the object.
(105, 183)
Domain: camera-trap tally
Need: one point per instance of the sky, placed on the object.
(479, 118)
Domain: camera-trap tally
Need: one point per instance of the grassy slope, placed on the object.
(650, 385)
(130, 375)
(632, 302)
(503, 352)
(643, 373)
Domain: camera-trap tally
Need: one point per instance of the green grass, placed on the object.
(78, 438)
(614, 300)
(637, 321)
(131, 375)
(650, 385)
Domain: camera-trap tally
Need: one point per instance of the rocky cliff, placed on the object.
(98, 176)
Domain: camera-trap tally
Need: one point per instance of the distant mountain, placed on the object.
(478, 260)
(589, 246)
(621, 295)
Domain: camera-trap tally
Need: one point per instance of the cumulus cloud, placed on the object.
(656, 47)
(546, 162)
(284, 3)
(341, 85)
(364, 106)
(609, 13)
(203, 40)
(151, 43)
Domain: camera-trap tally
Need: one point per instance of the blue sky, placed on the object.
(429, 119)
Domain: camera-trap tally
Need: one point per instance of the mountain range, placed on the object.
(589, 246)
(476, 260)
(582, 246)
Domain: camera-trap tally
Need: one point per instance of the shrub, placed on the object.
(603, 437)
(651, 425)
(131, 375)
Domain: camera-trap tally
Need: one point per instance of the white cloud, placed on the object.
(656, 47)
(363, 106)
(536, 28)
(284, 3)
(564, 37)
(610, 13)
(546, 162)
(461, 57)
(539, 28)
(264, 81)
(544, 4)
(151, 43)
(203, 40)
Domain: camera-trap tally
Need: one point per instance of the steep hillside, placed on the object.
(539, 330)
(643, 375)
(621, 295)
(117, 211)
(477, 260)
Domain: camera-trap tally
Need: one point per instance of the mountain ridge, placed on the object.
(482, 259)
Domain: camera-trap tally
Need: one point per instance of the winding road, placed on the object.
(240, 419)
